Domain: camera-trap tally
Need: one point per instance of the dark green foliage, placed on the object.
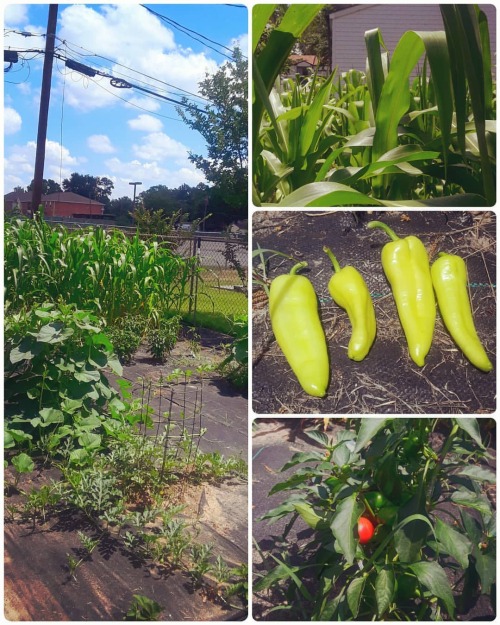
(163, 338)
(441, 524)
(224, 126)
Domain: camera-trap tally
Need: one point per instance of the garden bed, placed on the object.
(386, 381)
(42, 581)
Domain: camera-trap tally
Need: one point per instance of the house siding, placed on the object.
(348, 28)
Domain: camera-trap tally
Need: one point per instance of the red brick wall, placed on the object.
(68, 209)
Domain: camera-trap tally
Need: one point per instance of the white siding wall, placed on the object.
(348, 28)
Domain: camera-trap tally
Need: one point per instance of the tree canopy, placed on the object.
(93, 187)
(224, 126)
(48, 186)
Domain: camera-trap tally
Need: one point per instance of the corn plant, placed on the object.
(372, 138)
(101, 271)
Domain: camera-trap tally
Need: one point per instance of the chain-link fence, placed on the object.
(221, 284)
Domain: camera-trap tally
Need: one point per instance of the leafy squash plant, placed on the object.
(434, 526)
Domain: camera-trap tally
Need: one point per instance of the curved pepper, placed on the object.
(449, 277)
(293, 308)
(348, 289)
(406, 266)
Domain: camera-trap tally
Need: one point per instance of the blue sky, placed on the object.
(95, 128)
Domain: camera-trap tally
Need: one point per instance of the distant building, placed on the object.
(63, 204)
(348, 26)
(304, 65)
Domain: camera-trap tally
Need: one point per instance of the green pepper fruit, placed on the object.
(376, 500)
(449, 277)
(348, 289)
(406, 266)
(293, 307)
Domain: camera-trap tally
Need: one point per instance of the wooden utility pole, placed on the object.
(44, 108)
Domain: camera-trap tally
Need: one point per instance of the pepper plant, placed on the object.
(400, 523)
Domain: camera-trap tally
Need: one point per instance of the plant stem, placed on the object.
(335, 262)
(380, 224)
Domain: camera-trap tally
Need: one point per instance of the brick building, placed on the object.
(63, 204)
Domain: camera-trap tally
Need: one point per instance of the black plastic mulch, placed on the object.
(386, 381)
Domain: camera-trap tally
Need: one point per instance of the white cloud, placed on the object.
(240, 42)
(150, 174)
(150, 49)
(19, 163)
(15, 14)
(146, 123)
(143, 103)
(101, 144)
(85, 94)
(12, 121)
(158, 146)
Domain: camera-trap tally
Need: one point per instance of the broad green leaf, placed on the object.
(478, 473)
(472, 500)
(485, 564)
(303, 456)
(26, 350)
(87, 376)
(276, 51)
(411, 532)
(384, 590)
(395, 96)
(295, 480)
(54, 332)
(313, 116)
(260, 17)
(471, 426)
(432, 576)
(369, 427)
(354, 594)
(327, 194)
(50, 416)
(307, 513)
(277, 574)
(90, 441)
(292, 572)
(341, 455)
(375, 69)
(344, 521)
(71, 405)
(319, 437)
(115, 365)
(454, 543)
(23, 463)
(79, 456)
(471, 526)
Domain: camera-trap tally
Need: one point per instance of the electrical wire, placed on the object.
(190, 33)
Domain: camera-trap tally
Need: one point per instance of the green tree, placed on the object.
(224, 126)
(121, 209)
(316, 39)
(48, 186)
(93, 187)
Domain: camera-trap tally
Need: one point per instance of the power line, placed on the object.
(131, 69)
(191, 33)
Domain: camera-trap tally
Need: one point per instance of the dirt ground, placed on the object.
(386, 381)
(38, 586)
(274, 441)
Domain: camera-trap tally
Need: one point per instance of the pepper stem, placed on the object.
(335, 262)
(298, 267)
(384, 227)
